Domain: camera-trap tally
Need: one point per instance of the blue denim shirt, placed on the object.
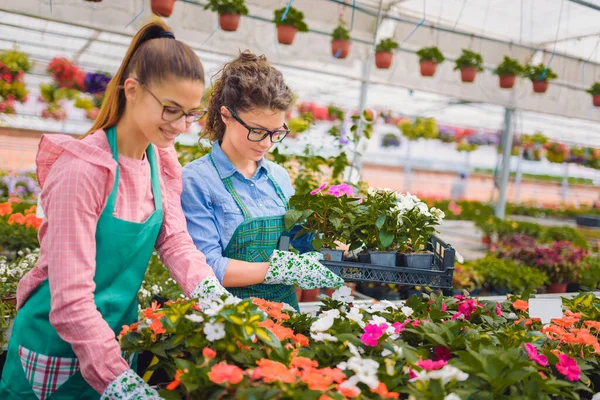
(211, 213)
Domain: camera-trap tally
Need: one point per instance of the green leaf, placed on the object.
(386, 239)
(291, 218)
(380, 221)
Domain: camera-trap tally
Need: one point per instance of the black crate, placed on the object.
(440, 276)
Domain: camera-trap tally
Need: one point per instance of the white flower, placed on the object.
(212, 307)
(323, 337)
(195, 318)
(446, 374)
(232, 300)
(377, 320)
(406, 310)
(423, 209)
(596, 396)
(381, 306)
(365, 370)
(343, 295)
(287, 307)
(325, 321)
(155, 289)
(214, 331)
(357, 351)
(356, 316)
(454, 396)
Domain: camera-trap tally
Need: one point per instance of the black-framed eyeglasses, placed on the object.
(259, 134)
(173, 113)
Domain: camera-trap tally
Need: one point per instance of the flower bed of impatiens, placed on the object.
(432, 347)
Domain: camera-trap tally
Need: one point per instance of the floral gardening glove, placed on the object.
(209, 290)
(302, 270)
(129, 386)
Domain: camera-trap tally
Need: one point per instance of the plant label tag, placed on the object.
(545, 309)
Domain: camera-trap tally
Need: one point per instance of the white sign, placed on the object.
(545, 309)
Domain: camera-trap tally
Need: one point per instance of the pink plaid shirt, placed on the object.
(76, 177)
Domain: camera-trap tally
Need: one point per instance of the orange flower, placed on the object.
(176, 381)
(348, 391)
(130, 328)
(521, 305)
(272, 309)
(304, 363)
(221, 373)
(271, 371)
(570, 313)
(382, 390)
(281, 332)
(157, 327)
(325, 397)
(31, 210)
(566, 321)
(335, 374)
(301, 339)
(17, 218)
(594, 325)
(209, 353)
(241, 346)
(31, 221)
(149, 313)
(316, 380)
(5, 209)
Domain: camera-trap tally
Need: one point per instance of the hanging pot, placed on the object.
(286, 34)
(507, 81)
(597, 100)
(557, 288)
(383, 59)
(540, 86)
(164, 8)
(468, 74)
(229, 22)
(340, 48)
(428, 68)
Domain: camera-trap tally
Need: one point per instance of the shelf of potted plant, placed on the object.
(340, 40)
(469, 63)
(229, 12)
(594, 90)
(384, 53)
(429, 58)
(288, 26)
(540, 75)
(508, 70)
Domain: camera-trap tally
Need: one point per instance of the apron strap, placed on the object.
(280, 193)
(155, 178)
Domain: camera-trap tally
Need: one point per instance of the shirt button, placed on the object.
(252, 184)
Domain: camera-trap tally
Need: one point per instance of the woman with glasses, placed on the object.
(234, 200)
(109, 200)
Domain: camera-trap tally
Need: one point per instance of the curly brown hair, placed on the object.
(244, 84)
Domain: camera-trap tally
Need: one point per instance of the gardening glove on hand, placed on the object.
(209, 290)
(129, 386)
(302, 270)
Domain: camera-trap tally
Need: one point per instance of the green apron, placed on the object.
(254, 241)
(39, 363)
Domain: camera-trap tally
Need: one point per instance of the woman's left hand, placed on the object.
(302, 270)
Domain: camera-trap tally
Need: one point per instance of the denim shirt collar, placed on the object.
(226, 168)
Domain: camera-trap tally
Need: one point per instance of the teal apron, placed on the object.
(254, 241)
(39, 363)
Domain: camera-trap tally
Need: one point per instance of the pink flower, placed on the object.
(441, 353)
(431, 365)
(444, 307)
(455, 208)
(411, 373)
(535, 356)
(340, 190)
(498, 310)
(399, 327)
(319, 189)
(466, 307)
(372, 334)
(416, 323)
(568, 367)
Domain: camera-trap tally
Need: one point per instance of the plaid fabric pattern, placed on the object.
(46, 374)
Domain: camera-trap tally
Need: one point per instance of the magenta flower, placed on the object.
(340, 190)
(319, 189)
(466, 308)
(568, 367)
(416, 323)
(431, 365)
(411, 373)
(444, 307)
(441, 353)
(372, 334)
(535, 356)
(399, 327)
(498, 310)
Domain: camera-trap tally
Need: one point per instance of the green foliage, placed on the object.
(431, 54)
(340, 32)
(388, 45)
(509, 66)
(421, 128)
(507, 274)
(227, 6)
(469, 59)
(294, 18)
(539, 73)
(187, 154)
(594, 90)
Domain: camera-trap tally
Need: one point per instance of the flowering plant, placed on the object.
(66, 74)
(13, 66)
(556, 152)
(18, 225)
(328, 212)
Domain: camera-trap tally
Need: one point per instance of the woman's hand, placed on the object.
(129, 386)
(302, 270)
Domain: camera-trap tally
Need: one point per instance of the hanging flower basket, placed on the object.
(286, 34)
(340, 48)
(229, 22)
(468, 74)
(164, 8)
(540, 86)
(428, 68)
(383, 59)
(596, 100)
(469, 63)
(507, 81)
(540, 75)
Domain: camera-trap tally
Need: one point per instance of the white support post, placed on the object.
(519, 176)
(507, 150)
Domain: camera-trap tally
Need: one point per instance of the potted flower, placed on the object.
(340, 41)
(383, 53)
(507, 71)
(561, 262)
(329, 215)
(469, 63)
(163, 8)
(229, 12)
(540, 75)
(594, 90)
(429, 58)
(288, 26)
(557, 152)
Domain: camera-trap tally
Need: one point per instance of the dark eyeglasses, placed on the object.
(173, 113)
(259, 134)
